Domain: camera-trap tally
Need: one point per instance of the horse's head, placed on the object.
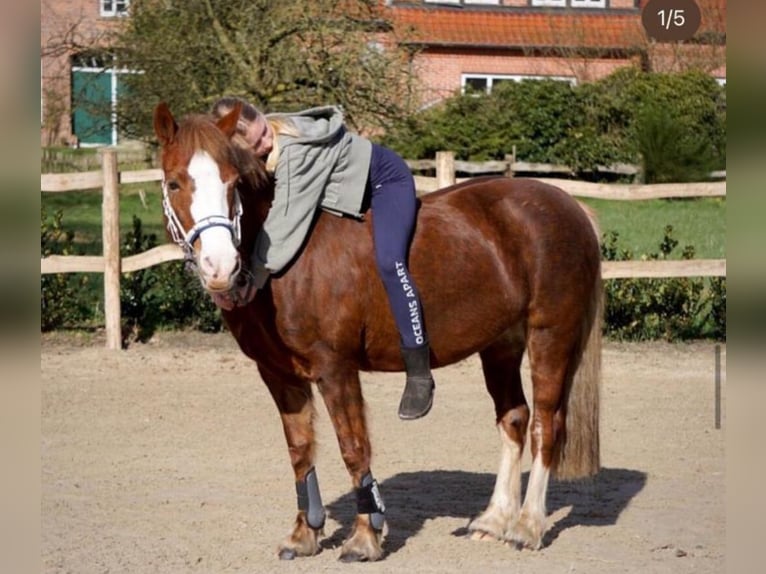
(201, 167)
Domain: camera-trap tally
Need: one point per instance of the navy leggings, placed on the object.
(393, 203)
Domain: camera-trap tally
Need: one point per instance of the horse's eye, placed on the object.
(173, 185)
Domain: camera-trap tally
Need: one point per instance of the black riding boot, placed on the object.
(418, 395)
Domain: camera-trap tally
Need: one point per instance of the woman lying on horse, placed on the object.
(317, 163)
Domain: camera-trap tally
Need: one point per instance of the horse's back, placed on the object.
(530, 207)
(530, 230)
(493, 255)
(487, 257)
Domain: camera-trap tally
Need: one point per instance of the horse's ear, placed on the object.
(228, 123)
(165, 126)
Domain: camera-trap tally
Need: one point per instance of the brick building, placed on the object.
(480, 42)
(456, 43)
(73, 70)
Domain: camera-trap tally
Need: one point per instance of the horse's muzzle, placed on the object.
(217, 277)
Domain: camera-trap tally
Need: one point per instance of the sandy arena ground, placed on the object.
(169, 457)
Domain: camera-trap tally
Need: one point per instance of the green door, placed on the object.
(92, 106)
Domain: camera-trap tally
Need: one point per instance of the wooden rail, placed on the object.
(171, 252)
(112, 265)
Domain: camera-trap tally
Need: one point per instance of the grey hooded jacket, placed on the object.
(324, 166)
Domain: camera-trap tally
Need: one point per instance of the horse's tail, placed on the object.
(578, 456)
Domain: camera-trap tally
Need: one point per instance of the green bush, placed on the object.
(163, 296)
(668, 153)
(673, 123)
(63, 296)
(672, 309)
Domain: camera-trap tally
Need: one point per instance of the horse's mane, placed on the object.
(199, 132)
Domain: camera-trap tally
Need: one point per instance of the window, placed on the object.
(572, 3)
(114, 7)
(465, 2)
(97, 83)
(588, 3)
(477, 83)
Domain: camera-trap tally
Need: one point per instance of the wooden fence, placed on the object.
(112, 265)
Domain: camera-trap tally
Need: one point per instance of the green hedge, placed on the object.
(165, 296)
(673, 124)
(672, 309)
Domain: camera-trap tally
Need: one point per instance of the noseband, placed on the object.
(186, 240)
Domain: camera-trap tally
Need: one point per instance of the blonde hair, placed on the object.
(249, 114)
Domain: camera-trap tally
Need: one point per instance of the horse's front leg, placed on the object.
(294, 400)
(342, 395)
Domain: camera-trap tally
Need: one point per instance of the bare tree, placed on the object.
(280, 55)
(573, 42)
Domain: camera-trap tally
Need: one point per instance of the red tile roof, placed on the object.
(523, 28)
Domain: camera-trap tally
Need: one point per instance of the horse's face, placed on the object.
(199, 198)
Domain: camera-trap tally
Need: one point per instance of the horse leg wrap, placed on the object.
(310, 500)
(369, 501)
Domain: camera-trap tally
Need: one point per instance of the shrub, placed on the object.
(138, 307)
(672, 309)
(164, 296)
(668, 120)
(63, 296)
(668, 152)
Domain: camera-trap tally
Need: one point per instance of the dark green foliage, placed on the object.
(674, 124)
(138, 309)
(718, 308)
(63, 296)
(673, 309)
(669, 152)
(164, 296)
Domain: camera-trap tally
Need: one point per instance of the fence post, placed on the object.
(445, 169)
(110, 215)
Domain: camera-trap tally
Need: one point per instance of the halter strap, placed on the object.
(207, 223)
(186, 240)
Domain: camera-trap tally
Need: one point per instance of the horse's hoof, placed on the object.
(287, 554)
(352, 557)
(482, 536)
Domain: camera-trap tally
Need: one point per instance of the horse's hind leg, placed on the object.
(501, 365)
(296, 409)
(342, 394)
(551, 356)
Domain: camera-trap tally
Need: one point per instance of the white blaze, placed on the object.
(218, 256)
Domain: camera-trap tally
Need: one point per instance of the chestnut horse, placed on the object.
(503, 266)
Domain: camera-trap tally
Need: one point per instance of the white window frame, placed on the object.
(491, 78)
(571, 3)
(588, 3)
(117, 8)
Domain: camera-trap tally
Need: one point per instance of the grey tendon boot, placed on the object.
(418, 395)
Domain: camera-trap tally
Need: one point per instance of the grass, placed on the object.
(640, 224)
(82, 212)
